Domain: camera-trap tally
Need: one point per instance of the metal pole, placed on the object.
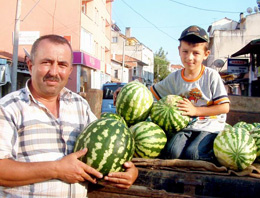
(157, 73)
(15, 45)
(250, 74)
(123, 61)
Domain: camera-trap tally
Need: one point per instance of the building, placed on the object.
(134, 58)
(226, 38)
(85, 23)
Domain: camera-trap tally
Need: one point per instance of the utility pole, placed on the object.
(158, 73)
(123, 61)
(15, 45)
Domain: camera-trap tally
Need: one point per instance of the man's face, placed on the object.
(51, 68)
(192, 55)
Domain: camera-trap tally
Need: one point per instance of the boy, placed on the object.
(205, 98)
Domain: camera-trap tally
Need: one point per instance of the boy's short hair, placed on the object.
(194, 34)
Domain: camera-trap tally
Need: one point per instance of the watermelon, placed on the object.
(235, 149)
(255, 133)
(110, 144)
(256, 124)
(149, 138)
(114, 116)
(165, 113)
(227, 126)
(244, 125)
(134, 102)
(239, 124)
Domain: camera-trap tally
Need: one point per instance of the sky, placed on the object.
(159, 23)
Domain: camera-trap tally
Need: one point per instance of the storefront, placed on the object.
(252, 48)
(86, 73)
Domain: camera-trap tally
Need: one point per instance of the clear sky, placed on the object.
(159, 23)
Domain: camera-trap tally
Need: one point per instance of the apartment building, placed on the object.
(226, 38)
(136, 60)
(85, 23)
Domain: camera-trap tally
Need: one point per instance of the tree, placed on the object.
(160, 65)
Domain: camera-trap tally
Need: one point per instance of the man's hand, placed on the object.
(123, 179)
(71, 170)
(115, 95)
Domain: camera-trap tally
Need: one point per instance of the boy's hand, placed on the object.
(187, 107)
(115, 95)
(123, 179)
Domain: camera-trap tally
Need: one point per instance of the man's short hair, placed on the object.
(52, 38)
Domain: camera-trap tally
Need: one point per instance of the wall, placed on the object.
(48, 17)
(226, 39)
(244, 108)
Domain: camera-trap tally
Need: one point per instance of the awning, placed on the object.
(252, 47)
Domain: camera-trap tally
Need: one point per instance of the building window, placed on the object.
(135, 71)
(86, 41)
(114, 39)
(96, 16)
(116, 73)
(83, 8)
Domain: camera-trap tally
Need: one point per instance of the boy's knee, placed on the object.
(174, 148)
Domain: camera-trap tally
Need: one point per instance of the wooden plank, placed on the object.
(97, 191)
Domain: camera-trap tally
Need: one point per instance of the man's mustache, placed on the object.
(51, 78)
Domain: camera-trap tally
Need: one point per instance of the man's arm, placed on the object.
(69, 169)
(190, 110)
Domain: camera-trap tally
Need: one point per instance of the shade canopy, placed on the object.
(251, 48)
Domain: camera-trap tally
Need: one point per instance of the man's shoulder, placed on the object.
(13, 97)
(69, 95)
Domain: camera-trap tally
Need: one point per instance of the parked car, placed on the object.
(108, 91)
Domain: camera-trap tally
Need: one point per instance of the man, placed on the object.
(39, 126)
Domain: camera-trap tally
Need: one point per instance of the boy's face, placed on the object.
(192, 55)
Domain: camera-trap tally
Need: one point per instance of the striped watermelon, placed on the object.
(255, 133)
(114, 116)
(134, 102)
(235, 148)
(149, 138)
(239, 124)
(165, 114)
(227, 126)
(244, 125)
(256, 124)
(110, 144)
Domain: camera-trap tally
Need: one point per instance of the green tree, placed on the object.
(161, 65)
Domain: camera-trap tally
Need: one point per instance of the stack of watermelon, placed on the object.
(139, 128)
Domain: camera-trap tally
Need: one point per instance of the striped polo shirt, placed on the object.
(206, 89)
(30, 133)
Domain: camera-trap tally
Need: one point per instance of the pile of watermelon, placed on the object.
(139, 128)
(238, 146)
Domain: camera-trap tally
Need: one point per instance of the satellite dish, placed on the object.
(249, 10)
(218, 63)
(256, 9)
